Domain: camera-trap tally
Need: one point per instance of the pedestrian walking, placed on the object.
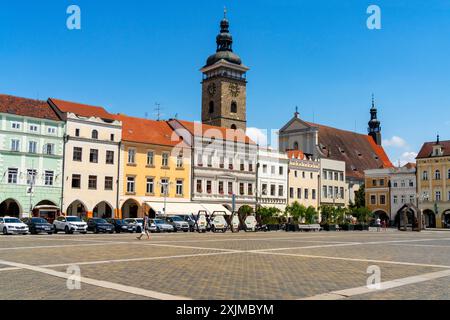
(378, 223)
(145, 228)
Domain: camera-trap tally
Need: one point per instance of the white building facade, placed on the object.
(334, 189)
(91, 160)
(272, 176)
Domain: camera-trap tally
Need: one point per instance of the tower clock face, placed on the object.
(234, 89)
(212, 89)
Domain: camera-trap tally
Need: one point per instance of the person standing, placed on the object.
(378, 223)
(145, 228)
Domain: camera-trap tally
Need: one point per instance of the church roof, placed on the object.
(359, 151)
(27, 107)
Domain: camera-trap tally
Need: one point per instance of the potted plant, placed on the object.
(296, 213)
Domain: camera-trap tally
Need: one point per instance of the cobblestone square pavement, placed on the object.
(271, 265)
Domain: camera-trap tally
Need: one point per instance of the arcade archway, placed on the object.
(77, 208)
(130, 209)
(103, 210)
(429, 218)
(10, 207)
(446, 219)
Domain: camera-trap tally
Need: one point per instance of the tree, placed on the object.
(311, 215)
(327, 213)
(268, 215)
(362, 214)
(360, 197)
(244, 211)
(296, 211)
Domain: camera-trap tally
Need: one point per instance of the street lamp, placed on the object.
(165, 186)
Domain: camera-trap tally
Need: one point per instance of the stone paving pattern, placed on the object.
(223, 266)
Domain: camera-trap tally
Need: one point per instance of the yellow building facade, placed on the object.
(433, 183)
(156, 168)
(377, 192)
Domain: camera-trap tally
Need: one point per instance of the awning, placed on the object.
(46, 207)
(180, 208)
(217, 208)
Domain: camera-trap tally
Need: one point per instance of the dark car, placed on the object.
(38, 225)
(99, 225)
(121, 226)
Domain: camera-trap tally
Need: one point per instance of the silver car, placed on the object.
(160, 225)
(178, 223)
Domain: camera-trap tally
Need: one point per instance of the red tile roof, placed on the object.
(410, 165)
(359, 151)
(199, 129)
(82, 110)
(295, 154)
(427, 149)
(27, 107)
(147, 131)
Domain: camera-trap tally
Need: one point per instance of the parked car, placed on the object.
(201, 223)
(69, 225)
(38, 225)
(190, 220)
(250, 223)
(218, 223)
(121, 226)
(135, 223)
(178, 223)
(10, 225)
(99, 225)
(160, 225)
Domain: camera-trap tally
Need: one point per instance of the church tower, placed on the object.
(374, 124)
(224, 84)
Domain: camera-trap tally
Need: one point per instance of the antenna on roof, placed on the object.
(158, 111)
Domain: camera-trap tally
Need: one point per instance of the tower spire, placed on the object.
(374, 124)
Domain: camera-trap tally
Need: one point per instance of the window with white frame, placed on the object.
(49, 149)
(130, 184)
(272, 190)
(324, 192)
(150, 186)
(373, 199)
(164, 186)
(48, 178)
(438, 196)
(280, 190)
(264, 189)
(131, 156)
(32, 146)
(403, 199)
(33, 128)
(150, 158)
(12, 175)
(412, 198)
(437, 175)
(179, 187)
(15, 125)
(306, 193)
(395, 200)
(180, 160)
(15, 145)
(51, 130)
(92, 182)
(425, 175)
(165, 159)
(31, 176)
(264, 168)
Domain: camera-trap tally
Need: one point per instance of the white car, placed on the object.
(250, 223)
(137, 223)
(69, 225)
(10, 225)
(218, 223)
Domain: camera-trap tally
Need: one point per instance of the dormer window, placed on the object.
(437, 151)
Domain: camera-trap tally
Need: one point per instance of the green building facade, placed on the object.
(31, 158)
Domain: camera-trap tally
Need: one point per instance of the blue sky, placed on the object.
(318, 55)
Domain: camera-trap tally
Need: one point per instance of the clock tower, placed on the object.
(224, 85)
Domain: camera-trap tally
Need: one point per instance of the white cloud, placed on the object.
(395, 142)
(408, 157)
(257, 135)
